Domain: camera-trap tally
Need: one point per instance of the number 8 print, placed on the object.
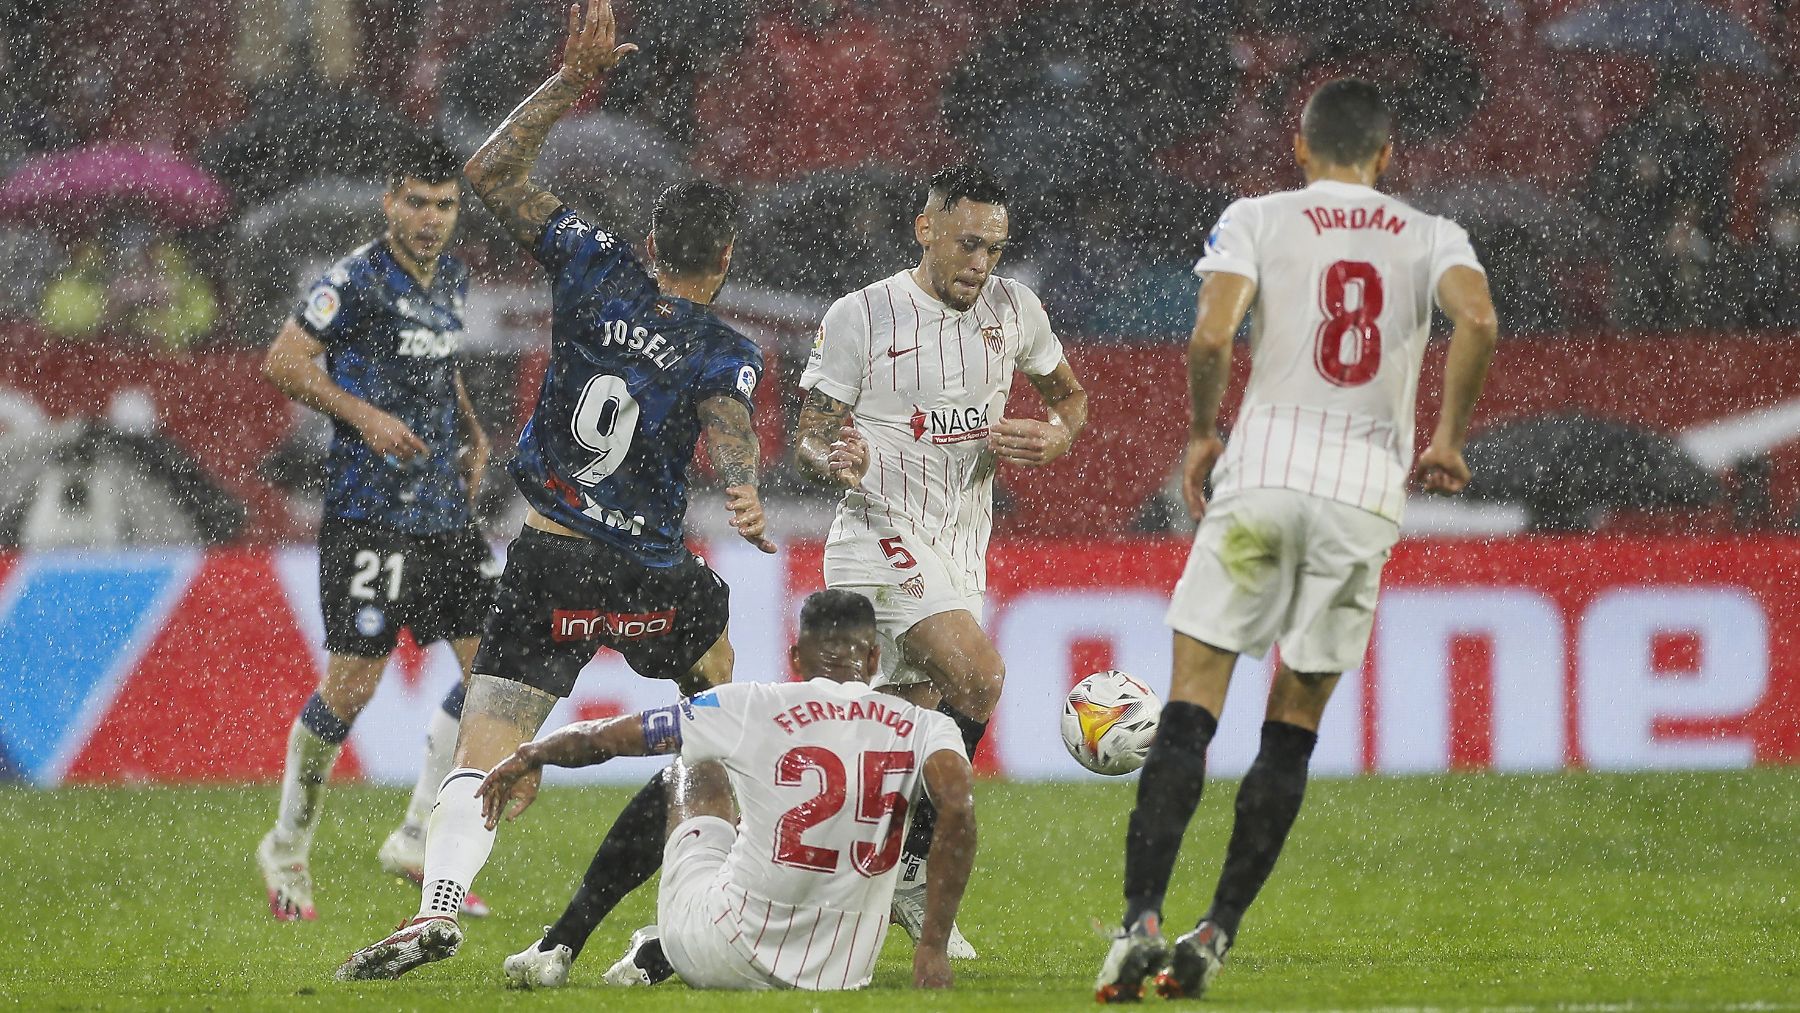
(1360, 322)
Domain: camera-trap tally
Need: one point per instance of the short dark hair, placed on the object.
(1346, 122)
(693, 223)
(965, 181)
(835, 609)
(425, 158)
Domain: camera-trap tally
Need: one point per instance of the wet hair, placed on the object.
(835, 610)
(1346, 122)
(693, 223)
(425, 158)
(966, 181)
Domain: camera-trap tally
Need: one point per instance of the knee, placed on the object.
(979, 689)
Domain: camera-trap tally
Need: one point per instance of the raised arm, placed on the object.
(1224, 299)
(828, 448)
(500, 170)
(736, 455)
(1463, 293)
(1030, 442)
(292, 366)
(950, 781)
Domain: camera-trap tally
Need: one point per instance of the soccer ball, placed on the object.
(1108, 721)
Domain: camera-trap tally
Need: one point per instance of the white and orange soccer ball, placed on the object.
(1108, 721)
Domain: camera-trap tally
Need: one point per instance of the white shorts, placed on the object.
(687, 915)
(907, 585)
(1275, 566)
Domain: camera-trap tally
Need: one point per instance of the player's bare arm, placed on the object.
(500, 170)
(829, 449)
(736, 455)
(516, 779)
(292, 365)
(1223, 301)
(472, 460)
(1032, 442)
(950, 781)
(1463, 293)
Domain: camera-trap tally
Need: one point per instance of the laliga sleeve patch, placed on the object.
(746, 381)
(322, 306)
(662, 729)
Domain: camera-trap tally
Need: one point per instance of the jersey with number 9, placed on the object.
(1346, 279)
(608, 444)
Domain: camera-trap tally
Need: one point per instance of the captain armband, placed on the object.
(662, 729)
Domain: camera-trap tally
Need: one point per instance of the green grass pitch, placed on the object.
(1578, 891)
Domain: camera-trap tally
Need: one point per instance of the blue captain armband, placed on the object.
(662, 729)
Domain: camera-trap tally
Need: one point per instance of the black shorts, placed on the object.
(562, 598)
(373, 581)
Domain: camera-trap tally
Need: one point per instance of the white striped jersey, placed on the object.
(825, 775)
(1346, 278)
(926, 383)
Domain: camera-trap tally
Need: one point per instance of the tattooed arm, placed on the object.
(829, 448)
(732, 446)
(500, 170)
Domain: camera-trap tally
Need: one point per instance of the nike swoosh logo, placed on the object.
(895, 353)
(690, 833)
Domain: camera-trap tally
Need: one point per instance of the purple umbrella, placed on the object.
(81, 185)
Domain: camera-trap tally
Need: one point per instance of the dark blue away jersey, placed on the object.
(393, 344)
(607, 448)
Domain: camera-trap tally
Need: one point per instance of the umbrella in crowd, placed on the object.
(83, 185)
(1567, 468)
(89, 484)
(1687, 31)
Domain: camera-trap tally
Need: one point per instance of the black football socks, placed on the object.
(1168, 791)
(1267, 803)
(924, 819)
(626, 859)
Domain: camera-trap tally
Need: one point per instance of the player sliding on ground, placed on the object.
(639, 366)
(398, 546)
(925, 360)
(1306, 499)
(824, 772)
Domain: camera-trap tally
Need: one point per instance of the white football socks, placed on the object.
(309, 761)
(457, 844)
(440, 751)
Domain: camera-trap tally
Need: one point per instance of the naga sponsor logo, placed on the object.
(950, 425)
(587, 624)
(994, 337)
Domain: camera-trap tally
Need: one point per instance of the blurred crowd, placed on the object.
(1612, 179)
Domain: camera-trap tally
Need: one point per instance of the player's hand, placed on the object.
(387, 436)
(747, 515)
(472, 462)
(513, 779)
(848, 458)
(1202, 453)
(1441, 469)
(590, 49)
(1029, 442)
(931, 968)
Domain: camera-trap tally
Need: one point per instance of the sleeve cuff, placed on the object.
(831, 388)
(1209, 265)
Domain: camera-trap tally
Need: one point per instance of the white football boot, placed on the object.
(1135, 954)
(288, 880)
(536, 968)
(403, 855)
(908, 910)
(415, 943)
(643, 962)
